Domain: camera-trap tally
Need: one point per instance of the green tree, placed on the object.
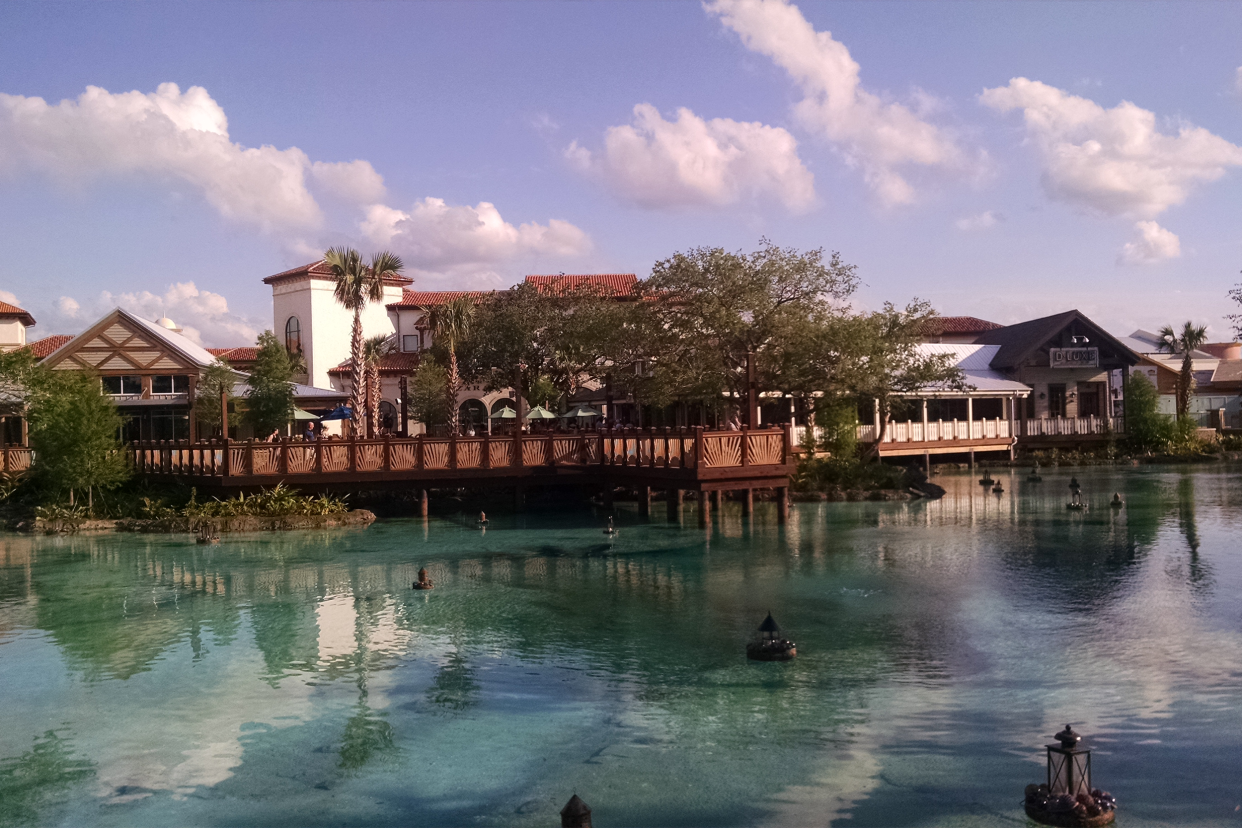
(269, 400)
(883, 361)
(217, 379)
(710, 309)
(356, 284)
(74, 430)
(374, 350)
(451, 324)
(427, 402)
(543, 391)
(1147, 429)
(1191, 338)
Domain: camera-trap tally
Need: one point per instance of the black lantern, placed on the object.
(575, 814)
(1069, 765)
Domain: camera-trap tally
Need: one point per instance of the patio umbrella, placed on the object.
(505, 413)
(299, 414)
(540, 413)
(341, 412)
(581, 411)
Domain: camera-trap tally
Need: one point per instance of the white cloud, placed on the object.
(1114, 161)
(881, 137)
(203, 316)
(694, 162)
(439, 240)
(10, 298)
(1153, 244)
(354, 181)
(982, 221)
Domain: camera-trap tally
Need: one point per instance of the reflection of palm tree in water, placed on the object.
(454, 687)
(366, 732)
(1199, 572)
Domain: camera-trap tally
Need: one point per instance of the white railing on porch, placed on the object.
(1069, 427)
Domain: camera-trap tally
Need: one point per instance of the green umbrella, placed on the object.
(581, 411)
(505, 413)
(540, 413)
(299, 414)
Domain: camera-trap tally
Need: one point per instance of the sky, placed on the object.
(1001, 160)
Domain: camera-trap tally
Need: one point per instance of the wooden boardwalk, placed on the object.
(675, 460)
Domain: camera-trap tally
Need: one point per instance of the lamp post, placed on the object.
(1067, 798)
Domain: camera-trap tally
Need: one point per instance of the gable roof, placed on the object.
(1019, 342)
(115, 329)
(397, 362)
(319, 270)
(432, 298)
(8, 311)
(239, 355)
(614, 284)
(958, 325)
(975, 361)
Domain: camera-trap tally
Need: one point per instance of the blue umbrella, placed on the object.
(341, 412)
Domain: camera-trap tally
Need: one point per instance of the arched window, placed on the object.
(293, 335)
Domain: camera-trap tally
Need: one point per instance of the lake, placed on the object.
(296, 679)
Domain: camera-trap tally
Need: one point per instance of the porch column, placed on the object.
(970, 417)
(877, 419)
(925, 419)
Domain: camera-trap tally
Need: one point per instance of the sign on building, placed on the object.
(1074, 357)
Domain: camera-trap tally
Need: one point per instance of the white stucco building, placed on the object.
(13, 324)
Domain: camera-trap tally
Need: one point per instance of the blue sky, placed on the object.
(1001, 160)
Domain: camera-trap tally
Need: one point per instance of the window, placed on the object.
(178, 384)
(409, 343)
(293, 335)
(122, 385)
(1056, 400)
(1089, 399)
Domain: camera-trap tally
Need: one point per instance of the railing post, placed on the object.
(284, 455)
(486, 459)
(387, 452)
(453, 451)
(550, 451)
(353, 452)
(745, 447)
(785, 446)
(419, 453)
(319, 453)
(226, 458)
(698, 447)
(250, 457)
(517, 459)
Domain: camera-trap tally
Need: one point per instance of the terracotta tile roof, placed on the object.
(245, 353)
(431, 298)
(958, 325)
(399, 362)
(43, 347)
(617, 284)
(319, 270)
(10, 311)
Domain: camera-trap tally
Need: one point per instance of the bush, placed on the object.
(1147, 430)
(820, 474)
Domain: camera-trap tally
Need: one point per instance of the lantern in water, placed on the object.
(1069, 765)
(575, 814)
(769, 644)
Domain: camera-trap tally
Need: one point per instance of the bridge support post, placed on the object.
(748, 502)
(927, 462)
(674, 505)
(644, 501)
(422, 503)
(782, 504)
(972, 459)
(718, 499)
(705, 510)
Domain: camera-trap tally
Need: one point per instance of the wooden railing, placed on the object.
(652, 448)
(15, 459)
(1067, 426)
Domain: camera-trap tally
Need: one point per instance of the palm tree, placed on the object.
(373, 350)
(450, 323)
(356, 284)
(1192, 337)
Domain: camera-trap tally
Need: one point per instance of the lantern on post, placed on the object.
(575, 814)
(1067, 798)
(768, 643)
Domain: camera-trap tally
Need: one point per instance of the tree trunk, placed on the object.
(873, 453)
(451, 388)
(356, 392)
(373, 401)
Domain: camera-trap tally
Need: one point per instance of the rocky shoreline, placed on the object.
(183, 525)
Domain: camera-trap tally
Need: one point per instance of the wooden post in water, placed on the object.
(748, 502)
(705, 510)
(674, 505)
(422, 503)
(782, 504)
(644, 501)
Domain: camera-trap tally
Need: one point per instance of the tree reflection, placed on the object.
(28, 782)
(454, 687)
(1199, 572)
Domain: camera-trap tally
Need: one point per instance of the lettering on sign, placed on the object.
(1074, 357)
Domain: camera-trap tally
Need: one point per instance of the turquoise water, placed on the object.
(295, 679)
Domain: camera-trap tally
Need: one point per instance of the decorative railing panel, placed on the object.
(534, 452)
(765, 449)
(567, 451)
(370, 457)
(403, 456)
(722, 451)
(501, 453)
(436, 455)
(469, 454)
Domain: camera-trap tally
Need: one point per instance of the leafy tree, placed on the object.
(216, 379)
(884, 361)
(374, 350)
(543, 391)
(269, 401)
(839, 422)
(427, 402)
(1191, 337)
(1147, 429)
(451, 324)
(74, 431)
(709, 309)
(356, 284)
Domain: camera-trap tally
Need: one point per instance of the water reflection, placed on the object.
(939, 641)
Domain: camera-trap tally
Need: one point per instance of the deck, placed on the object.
(682, 459)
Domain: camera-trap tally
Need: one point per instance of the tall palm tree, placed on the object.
(450, 324)
(1192, 337)
(373, 350)
(356, 284)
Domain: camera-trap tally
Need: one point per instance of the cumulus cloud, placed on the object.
(354, 181)
(982, 221)
(10, 298)
(882, 137)
(690, 161)
(203, 316)
(437, 239)
(1152, 244)
(1114, 161)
